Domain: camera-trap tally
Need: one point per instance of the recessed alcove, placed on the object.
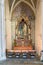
(23, 35)
(22, 26)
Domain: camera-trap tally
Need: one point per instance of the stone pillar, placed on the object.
(8, 26)
(42, 27)
(38, 27)
(0, 28)
(2, 32)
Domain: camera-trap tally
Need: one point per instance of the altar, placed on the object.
(23, 40)
(23, 49)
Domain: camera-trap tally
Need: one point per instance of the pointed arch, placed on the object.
(25, 3)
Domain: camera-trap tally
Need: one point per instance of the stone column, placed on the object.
(42, 27)
(8, 26)
(2, 32)
(42, 24)
(0, 28)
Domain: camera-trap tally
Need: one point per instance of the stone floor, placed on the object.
(21, 62)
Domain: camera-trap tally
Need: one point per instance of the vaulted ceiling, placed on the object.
(32, 2)
(31, 8)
